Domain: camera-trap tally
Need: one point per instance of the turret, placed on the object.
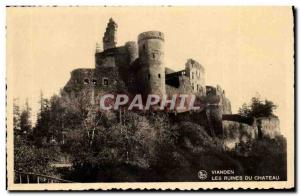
(151, 57)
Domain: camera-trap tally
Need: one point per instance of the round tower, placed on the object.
(151, 58)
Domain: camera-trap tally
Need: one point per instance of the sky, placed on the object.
(246, 50)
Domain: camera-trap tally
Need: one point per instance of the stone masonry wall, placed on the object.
(196, 73)
(235, 132)
(268, 126)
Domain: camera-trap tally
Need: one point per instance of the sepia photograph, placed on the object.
(163, 97)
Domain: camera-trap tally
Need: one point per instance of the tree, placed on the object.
(25, 123)
(51, 120)
(41, 129)
(263, 157)
(29, 158)
(56, 118)
(131, 142)
(245, 110)
(258, 108)
(16, 118)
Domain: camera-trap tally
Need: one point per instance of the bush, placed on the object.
(29, 158)
(263, 157)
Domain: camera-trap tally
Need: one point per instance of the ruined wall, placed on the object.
(80, 79)
(184, 87)
(225, 102)
(198, 117)
(79, 90)
(239, 129)
(114, 57)
(113, 64)
(217, 93)
(214, 109)
(235, 132)
(151, 75)
(106, 79)
(209, 115)
(214, 114)
(117, 60)
(196, 73)
(203, 117)
(267, 126)
(109, 80)
(110, 38)
(109, 76)
(217, 106)
(178, 83)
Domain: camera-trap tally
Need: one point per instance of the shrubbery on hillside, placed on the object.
(135, 146)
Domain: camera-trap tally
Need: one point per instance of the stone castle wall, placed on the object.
(217, 95)
(196, 73)
(184, 87)
(79, 90)
(268, 126)
(236, 132)
(198, 117)
(80, 79)
(238, 129)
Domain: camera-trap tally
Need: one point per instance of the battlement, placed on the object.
(151, 35)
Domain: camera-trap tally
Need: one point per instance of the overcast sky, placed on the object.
(247, 50)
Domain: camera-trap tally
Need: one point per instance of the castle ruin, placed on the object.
(139, 68)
